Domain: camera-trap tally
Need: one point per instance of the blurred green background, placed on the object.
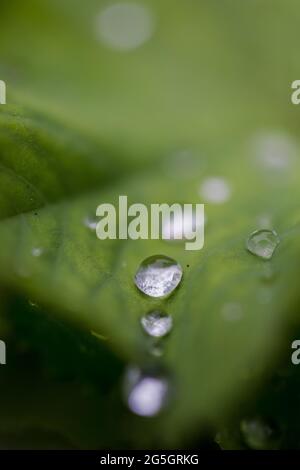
(151, 106)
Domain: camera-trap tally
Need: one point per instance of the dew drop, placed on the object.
(124, 26)
(263, 243)
(145, 394)
(260, 434)
(215, 190)
(158, 276)
(157, 324)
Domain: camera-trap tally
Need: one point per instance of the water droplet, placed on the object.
(263, 243)
(91, 223)
(274, 151)
(181, 225)
(157, 324)
(215, 190)
(32, 303)
(232, 311)
(145, 394)
(37, 252)
(158, 276)
(125, 26)
(260, 434)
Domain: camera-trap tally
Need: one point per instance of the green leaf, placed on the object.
(103, 125)
(90, 282)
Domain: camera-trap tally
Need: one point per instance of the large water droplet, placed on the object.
(145, 394)
(158, 276)
(215, 190)
(260, 434)
(157, 324)
(125, 26)
(263, 243)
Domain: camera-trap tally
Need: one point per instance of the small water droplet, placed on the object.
(90, 222)
(32, 303)
(263, 243)
(145, 394)
(157, 324)
(125, 26)
(215, 190)
(158, 276)
(37, 252)
(232, 311)
(260, 434)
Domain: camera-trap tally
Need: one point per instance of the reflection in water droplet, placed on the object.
(232, 311)
(145, 394)
(32, 303)
(125, 26)
(274, 151)
(263, 243)
(215, 190)
(157, 324)
(37, 252)
(260, 434)
(90, 222)
(182, 225)
(158, 276)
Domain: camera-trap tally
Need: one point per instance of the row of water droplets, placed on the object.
(158, 276)
(147, 393)
(125, 27)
